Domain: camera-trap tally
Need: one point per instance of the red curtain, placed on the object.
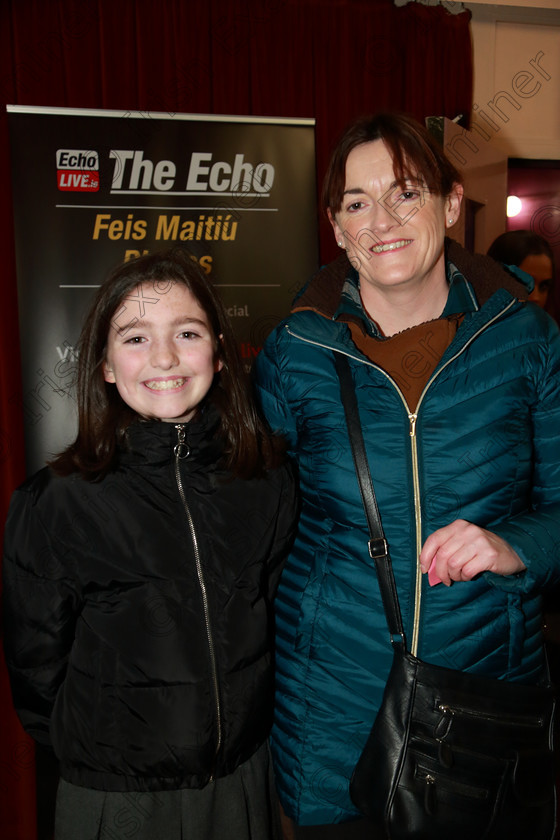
(327, 59)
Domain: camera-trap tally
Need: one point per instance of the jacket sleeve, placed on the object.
(269, 380)
(535, 534)
(286, 525)
(40, 607)
(270, 383)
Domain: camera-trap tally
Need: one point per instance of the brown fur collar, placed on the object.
(485, 275)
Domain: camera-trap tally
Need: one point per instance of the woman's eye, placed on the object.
(409, 195)
(356, 205)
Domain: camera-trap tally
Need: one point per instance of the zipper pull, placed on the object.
(429, 794)
(443, 726)
(445, 755)
(181, 450)
(441, 731)
(412, 419)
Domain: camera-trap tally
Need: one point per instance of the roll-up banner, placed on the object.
(92, 188)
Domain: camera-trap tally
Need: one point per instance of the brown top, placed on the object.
(410, 356)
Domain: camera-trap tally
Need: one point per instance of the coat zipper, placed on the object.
(412, 419)
(181, 452)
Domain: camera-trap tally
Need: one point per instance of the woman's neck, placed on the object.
(396, 309)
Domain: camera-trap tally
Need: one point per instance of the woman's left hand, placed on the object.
(461, 550)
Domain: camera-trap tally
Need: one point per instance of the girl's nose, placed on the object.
(164, 355)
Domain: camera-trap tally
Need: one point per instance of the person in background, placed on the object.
(139, 572)
(532, 254)
(457, 381)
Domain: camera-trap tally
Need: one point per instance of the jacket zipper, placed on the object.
(181, 452)
(412, 419)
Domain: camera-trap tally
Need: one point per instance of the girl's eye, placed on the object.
(189, 334)
(136, 339)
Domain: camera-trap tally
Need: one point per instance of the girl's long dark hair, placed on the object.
(103, 416)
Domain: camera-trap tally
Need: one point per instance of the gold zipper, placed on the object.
(418, 522)
(181, 452)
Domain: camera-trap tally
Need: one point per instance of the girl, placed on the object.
(139, 570)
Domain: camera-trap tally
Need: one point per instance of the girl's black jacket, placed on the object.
(138, 622)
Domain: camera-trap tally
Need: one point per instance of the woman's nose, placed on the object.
(378, 223)
(382, 217)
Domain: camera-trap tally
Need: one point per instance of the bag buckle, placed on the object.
(378, 548)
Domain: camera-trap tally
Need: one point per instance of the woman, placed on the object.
(458, 386)
(532, 254)
(139, 572)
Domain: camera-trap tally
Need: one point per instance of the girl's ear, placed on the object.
(108, 374)
(219, 362)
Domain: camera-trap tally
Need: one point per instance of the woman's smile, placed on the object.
(383, 247)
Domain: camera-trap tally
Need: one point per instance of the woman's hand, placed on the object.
(461, 550)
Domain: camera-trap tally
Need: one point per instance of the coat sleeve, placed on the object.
(270, 383)
(40, 607)
(286, 524)
(535, 534)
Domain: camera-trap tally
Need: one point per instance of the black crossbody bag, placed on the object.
(451, 755)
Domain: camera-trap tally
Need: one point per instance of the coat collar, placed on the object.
(152, 442)
(486, 276)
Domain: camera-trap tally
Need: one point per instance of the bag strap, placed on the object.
(377, 544)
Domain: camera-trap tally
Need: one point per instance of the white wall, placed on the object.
(517, 76)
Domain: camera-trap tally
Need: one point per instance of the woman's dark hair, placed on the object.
(513, 247)
(103, 416)
(416, 154)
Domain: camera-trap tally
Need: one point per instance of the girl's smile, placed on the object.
(164, 384)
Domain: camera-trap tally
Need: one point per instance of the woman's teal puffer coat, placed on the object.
(483, 444)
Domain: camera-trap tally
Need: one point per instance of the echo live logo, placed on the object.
(77, 170)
